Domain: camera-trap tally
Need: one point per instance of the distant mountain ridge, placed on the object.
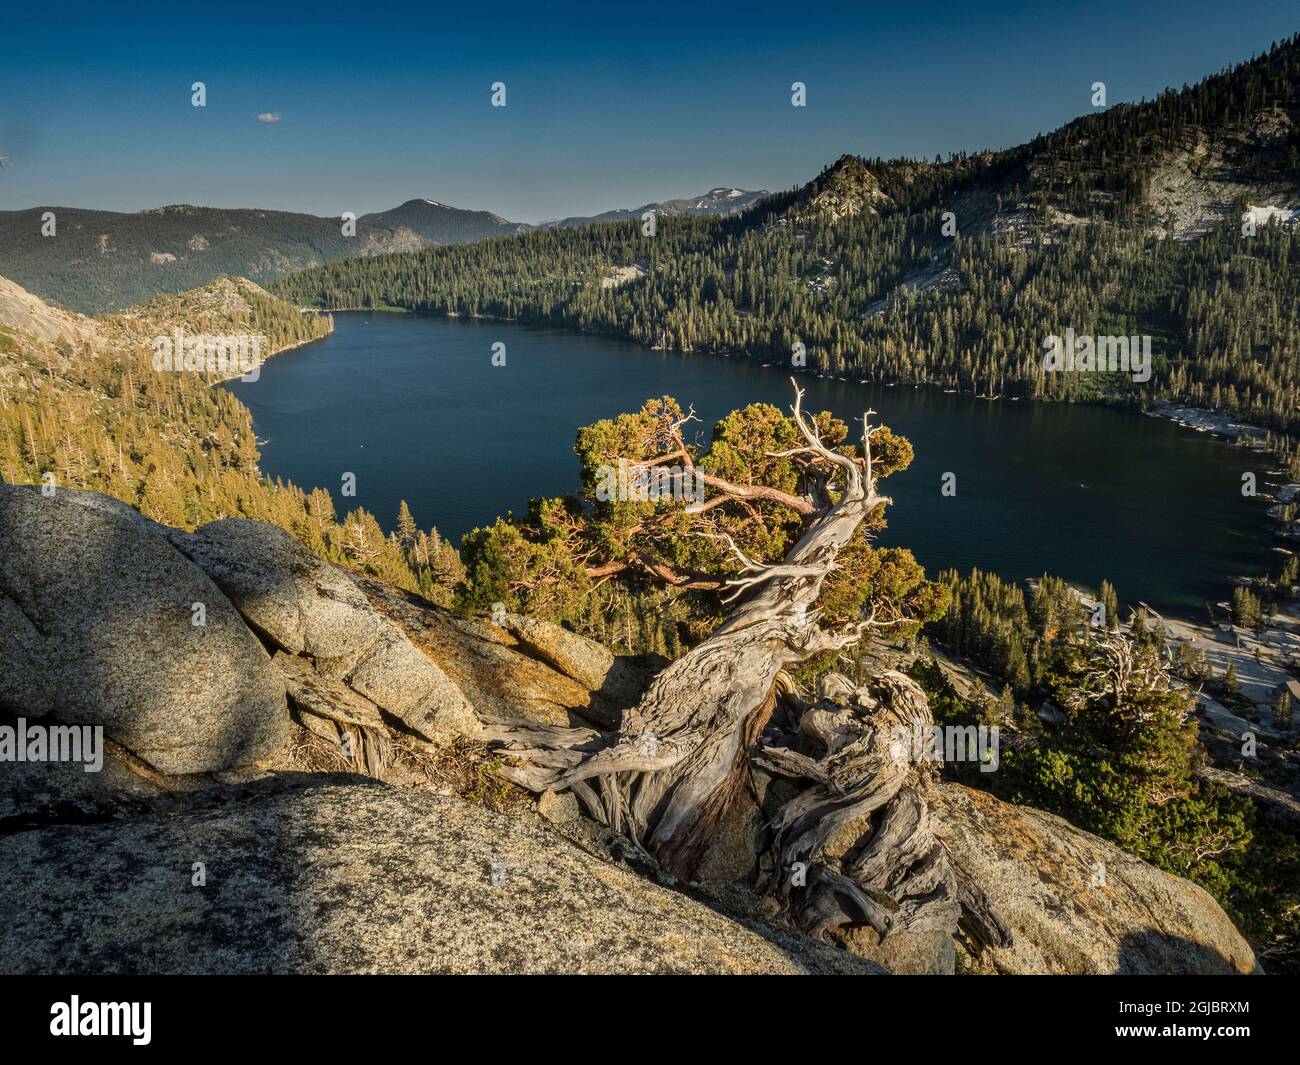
(101, 261)
(721, 201)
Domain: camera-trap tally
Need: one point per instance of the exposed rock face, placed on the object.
(26, 682)
(485, 663)
(505, 676)
(847, 188)
(339, 878)
(99, 618)
(328, 874)
(906, 953)
(36, 791)
(397, 676)
(310, 693)
(96, 619)
(337, 714)
(1197, 184)
(1038, 872)
(299, 602)
(21, 309)
(584, 660)
(306, 606)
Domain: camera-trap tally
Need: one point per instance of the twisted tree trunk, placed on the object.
(852, 751)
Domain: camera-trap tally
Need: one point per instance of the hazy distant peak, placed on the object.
(721, 200)
(439, 223)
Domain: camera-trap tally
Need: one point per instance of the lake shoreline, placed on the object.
(1199, 419)
(1218, 424)
(236, 375)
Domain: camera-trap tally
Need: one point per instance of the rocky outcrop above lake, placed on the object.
(106, 624)
(324, 876)
(292, 782)
(1077, 904)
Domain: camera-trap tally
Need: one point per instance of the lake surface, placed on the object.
(415, 409)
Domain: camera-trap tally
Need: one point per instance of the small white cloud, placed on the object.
(269, 116)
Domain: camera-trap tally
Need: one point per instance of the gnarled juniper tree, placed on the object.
(779, 539)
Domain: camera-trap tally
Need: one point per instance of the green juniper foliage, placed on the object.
(671, 558)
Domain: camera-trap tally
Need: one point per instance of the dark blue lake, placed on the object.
(415, 409)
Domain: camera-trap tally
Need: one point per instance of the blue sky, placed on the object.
(606, 107)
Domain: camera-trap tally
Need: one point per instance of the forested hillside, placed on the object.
(1131, 773)
(1125, 222)
(81, 406)
(97, 261)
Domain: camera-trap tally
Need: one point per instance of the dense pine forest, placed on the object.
(858, 267)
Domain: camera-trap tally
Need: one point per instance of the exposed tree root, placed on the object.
(853, 750)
